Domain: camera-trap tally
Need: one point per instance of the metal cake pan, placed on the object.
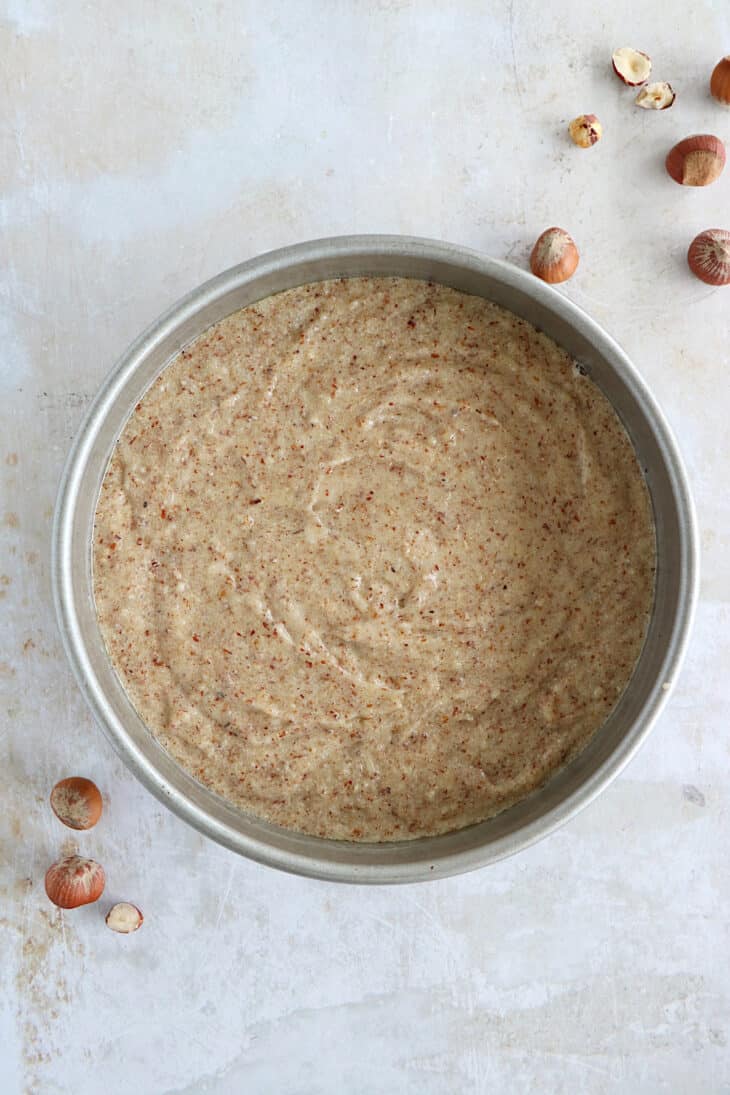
(615, 742)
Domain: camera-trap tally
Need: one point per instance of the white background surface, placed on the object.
(143, 148)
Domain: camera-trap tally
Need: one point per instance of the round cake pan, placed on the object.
(616, 741)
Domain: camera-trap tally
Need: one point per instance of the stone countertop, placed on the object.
(144, 149)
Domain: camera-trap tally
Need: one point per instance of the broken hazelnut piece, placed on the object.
(631, 65)
(77, 802)
(720, 81)
(709, 256)
(656, 96)
(74, 881)
(554, 257)
(585, 130)
(697, 160)
(124, 918)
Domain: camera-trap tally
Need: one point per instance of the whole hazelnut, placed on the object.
(74, 881)
(554, 257)
(76, 802)
(709, 256)
(720, 81)
(585, 130)
(697, 160)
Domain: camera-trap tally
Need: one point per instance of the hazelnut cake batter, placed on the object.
(373, 558)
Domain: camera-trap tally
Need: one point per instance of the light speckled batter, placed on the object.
(373, 558)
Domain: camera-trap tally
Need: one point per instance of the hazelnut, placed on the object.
(656, 96)
(554, 257)
(631, 65)
(585, 130)
(720, 81)
(74, 881)
(697, 160)
(124, 918)
(77, 802)
(709, 256)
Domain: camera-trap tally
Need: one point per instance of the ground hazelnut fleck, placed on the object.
(373, 558)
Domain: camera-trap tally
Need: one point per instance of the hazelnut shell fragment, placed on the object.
(633, 66)
(124, 918)
(656, 96)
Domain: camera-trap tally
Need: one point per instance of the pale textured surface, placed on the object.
(312, 600)
(143, 152)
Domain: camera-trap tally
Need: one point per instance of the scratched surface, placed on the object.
(145, 147)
